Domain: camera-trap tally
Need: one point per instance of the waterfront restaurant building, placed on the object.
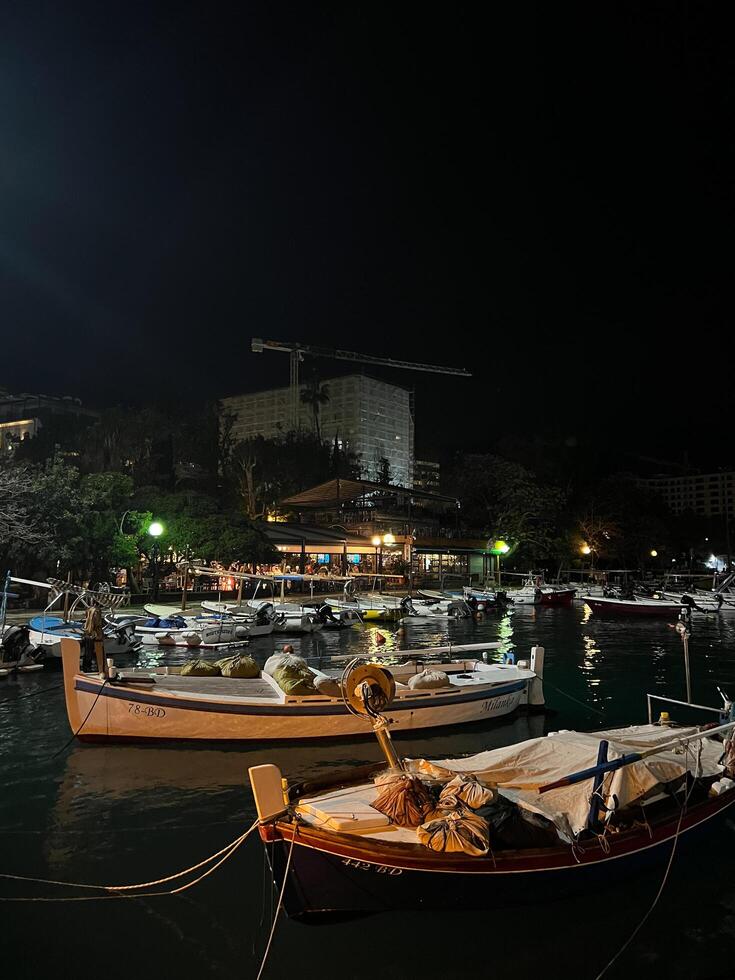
(366, 527)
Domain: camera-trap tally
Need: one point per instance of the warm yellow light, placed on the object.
(654, 553)
(376, 540)
(586, 550)
(388, 539)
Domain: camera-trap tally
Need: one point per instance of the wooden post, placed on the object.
(66, 598)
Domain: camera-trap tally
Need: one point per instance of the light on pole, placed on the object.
(155, 530)
(376, 543)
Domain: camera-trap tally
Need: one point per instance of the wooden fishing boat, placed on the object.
(163, 704)
(634, 606)
(333, 853)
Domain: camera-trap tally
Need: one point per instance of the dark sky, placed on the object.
(543, 196)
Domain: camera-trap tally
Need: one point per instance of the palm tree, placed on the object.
(316, 394)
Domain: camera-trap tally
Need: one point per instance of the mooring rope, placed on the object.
(576, 701)
(665, 878)
(86, 718)
(122, 891)
(278, 906)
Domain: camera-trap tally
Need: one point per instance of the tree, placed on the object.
(384, 474)
(18, 527)
(504, 500)
(316, 394)
(262, 471)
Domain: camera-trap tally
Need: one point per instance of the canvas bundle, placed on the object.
(402, 798)
(467, 789)
(458, 831)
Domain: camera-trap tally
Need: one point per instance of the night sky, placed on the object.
(543, 196)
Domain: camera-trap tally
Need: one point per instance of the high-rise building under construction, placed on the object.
(372, 418)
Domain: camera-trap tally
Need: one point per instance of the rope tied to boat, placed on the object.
(665, 878)
(280, 900)
(131, 891)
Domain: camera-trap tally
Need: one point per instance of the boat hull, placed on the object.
(135, 713)
(629, 607)
(335, 874)
(559, 597)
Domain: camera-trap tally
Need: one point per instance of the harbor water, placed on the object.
(118, 814)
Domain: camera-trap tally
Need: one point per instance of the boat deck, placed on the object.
(349, 811)
(231, 687)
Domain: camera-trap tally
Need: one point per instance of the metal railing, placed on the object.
(684, 704)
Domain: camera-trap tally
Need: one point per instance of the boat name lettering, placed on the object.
(381, 869)
(146, 709)
(496, 704)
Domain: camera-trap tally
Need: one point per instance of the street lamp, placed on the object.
(155, 530)
(499, 548)
(376, 544)
(654, 553)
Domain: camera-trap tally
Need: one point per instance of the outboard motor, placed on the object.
(264, 613)
(324, 614)
(16, 646)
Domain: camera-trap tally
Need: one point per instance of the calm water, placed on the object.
(123, 814)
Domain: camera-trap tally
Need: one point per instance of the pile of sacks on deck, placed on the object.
(288, 670)
(459, 815)
(293, 676)
(240, 665)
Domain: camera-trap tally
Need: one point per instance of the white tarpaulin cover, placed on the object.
(519, 769)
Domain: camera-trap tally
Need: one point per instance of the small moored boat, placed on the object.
(634, 605)
(164, 704)
(527, 823)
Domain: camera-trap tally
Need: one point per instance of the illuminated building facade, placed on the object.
(706, 494)
(21, 416)
(371, 418)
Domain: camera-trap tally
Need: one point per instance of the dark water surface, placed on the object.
(122, 814)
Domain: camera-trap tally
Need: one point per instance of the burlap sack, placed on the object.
(459, 831)
(468, 789)
(428, 680)
(402, 798)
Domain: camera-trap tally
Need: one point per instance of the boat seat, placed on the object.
(123, 679)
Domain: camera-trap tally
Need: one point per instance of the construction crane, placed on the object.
(298, 351)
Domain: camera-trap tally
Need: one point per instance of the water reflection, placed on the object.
(134, 812)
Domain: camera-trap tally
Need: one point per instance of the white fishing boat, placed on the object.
(191, 631)
(710, 602)
(17, 653)
(536, 592)
(46, 631)
(164, 704)
(291, 617)
(428, 610)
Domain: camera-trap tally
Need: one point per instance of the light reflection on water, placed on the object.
(132, 812)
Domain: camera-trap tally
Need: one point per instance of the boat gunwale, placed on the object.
(289, 704)
(416, 857)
